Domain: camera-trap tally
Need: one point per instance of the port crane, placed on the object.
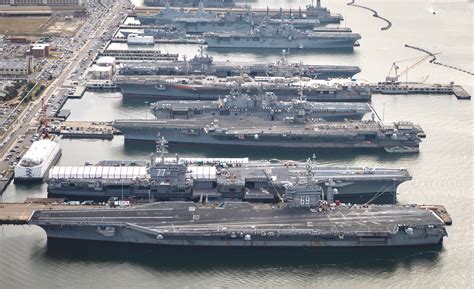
(394, 69)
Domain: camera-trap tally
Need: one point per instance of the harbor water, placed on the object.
(442, 174)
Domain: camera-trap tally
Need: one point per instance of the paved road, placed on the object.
(29, 118)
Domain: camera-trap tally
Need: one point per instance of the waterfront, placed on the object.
(442, 175)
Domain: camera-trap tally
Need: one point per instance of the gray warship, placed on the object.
(323, 14)
(202, 64)
(191, 3)
(303, 222)
(281, 37)
(218, 179)
(302, 133)
(199, 87)
(202, 21)
(266, 105)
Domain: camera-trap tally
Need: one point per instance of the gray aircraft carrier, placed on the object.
(205, 65)
(199, 87)
(302, 222)
(395, 137)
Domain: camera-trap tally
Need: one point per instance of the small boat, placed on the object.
(402, 149)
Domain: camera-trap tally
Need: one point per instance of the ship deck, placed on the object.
(190, 218)
(254, 125)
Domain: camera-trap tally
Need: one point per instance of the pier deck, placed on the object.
(460, 92)
(20, 213)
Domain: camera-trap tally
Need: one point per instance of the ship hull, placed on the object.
(279, 43)
(173, 135)
(125, 235)
(354, 197)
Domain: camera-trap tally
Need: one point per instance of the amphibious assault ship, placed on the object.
(221, 179)
(281, 37)
(205, 65)
(198, 87)
(303, 222)
(267, 106)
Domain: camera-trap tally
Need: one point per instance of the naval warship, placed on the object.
(302, 133)
(304, 221)
(266, 105)
(202, 21)
(176, 178)
(190, 3)
(323, 14)
(281, 37)
(199, 87)
(202, 64)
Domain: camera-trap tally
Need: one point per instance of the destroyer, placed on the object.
(304, 222)
(205, 65)
(281, 37)
(212, 88)
(238, 105)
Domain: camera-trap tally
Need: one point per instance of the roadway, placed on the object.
(20, 133)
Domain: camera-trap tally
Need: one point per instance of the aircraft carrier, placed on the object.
(190, 3)
(195, 87)
(395, 137)
(205, 65)
(203, 22)
(303, 222)
(221, 179)
(266, 105)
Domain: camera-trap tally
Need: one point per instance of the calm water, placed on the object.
(442, 175)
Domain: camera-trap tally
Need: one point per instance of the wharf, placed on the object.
(77, 92)
(420, 88)
(460, 92)
(123, 54)
(167, 41)
(5, 180)
(20, 213)
(84, 129)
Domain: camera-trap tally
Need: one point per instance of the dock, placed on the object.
(123, 54)
(77, 92)
(167, 41)
(460, 92)
(6, 180)
(420, 88)
(84, 130)
(20, 213)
